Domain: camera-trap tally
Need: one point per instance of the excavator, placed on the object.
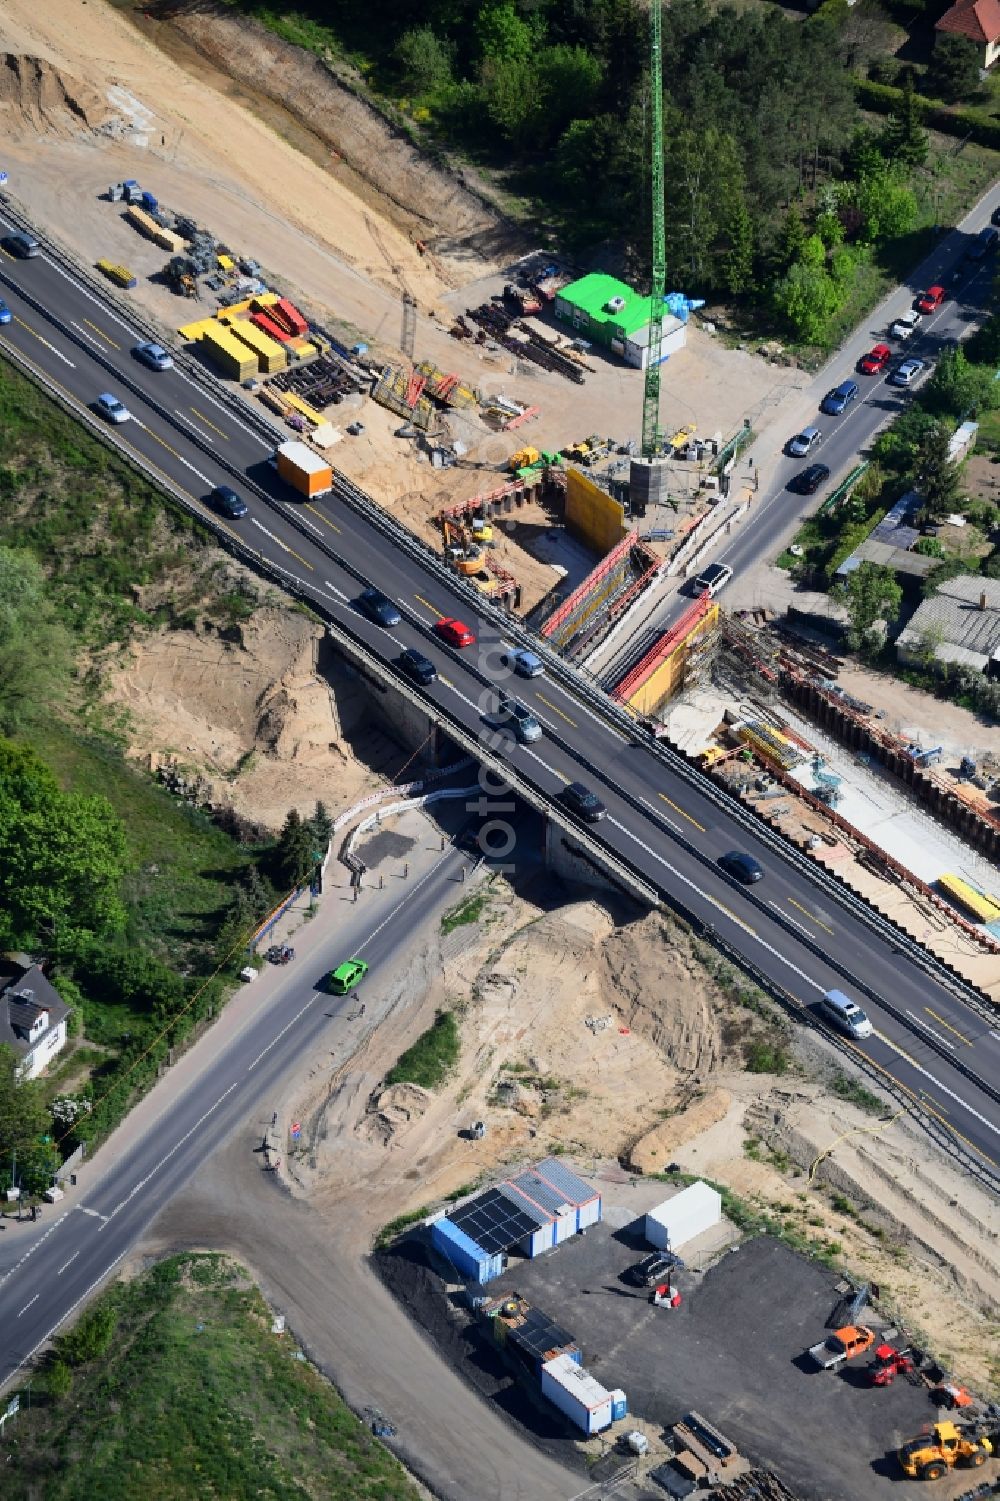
(933, 1454)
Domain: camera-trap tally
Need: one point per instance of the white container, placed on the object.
(580, 1396)
(680, 1219)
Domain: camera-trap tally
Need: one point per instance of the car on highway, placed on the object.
(715, 577)
(25, 247)
(153, 355)
(903, 326)
(516, 717)
(985, 241)
(110, 407)
(804, 442)
(808, 480)
(906, 373)
(840, 398)
(454, 632)
(347, 975)
(379, 608)
(416, 666)
(584, 803)
(995, 216)
(931, 300)
(521, 661)
(742, 866)
(5, 313)
(225, 500)
(875, 361)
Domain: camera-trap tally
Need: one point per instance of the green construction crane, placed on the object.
(651, 393)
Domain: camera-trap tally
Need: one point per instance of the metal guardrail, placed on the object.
(843, 489)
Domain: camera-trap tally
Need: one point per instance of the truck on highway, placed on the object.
(302, 468)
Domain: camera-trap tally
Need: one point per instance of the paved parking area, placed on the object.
(733, 1351)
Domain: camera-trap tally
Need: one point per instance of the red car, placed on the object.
(931, 300)
(875, 361)
(454, 632)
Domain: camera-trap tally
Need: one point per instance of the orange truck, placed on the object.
(842, 1345)
(304, 469)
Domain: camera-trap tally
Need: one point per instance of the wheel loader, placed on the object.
(932, 1454)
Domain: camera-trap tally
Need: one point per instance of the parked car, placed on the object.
(454, 632)
(584, 803)
(379, 608)
(875, 361)
(903, 326)
(347, 975)
(416, 666)
(110, 407)
(837, 400)
(226, 501)
(654, 1269)
(931, 300)
(804, 442)
(5, 313)
(510, 715)
(906, 373)
(808, 480)
(715, 577)
(25, 247)
(743, 866)
(153, 355)
(521, 661)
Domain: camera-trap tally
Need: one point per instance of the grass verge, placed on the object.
(190, 1395)
(466, 912)
(430, 1058)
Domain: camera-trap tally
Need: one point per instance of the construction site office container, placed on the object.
(470, 1260)
(228, 354)
(695, 1209)
(572, 1190)
(580, 1397)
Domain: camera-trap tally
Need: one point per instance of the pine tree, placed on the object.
(321, 825)
(937, 476)
(738, 261)
(793, 238)
(294, 855)
(904, 139)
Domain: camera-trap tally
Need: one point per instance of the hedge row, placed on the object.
(975, 124)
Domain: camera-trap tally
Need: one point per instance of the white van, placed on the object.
(845, 1014)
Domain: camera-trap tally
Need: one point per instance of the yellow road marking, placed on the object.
(925, 1097)
(209, 423)
(299, 556)
(681, 811)
(162, 441)
(960, 1035)
(559, 775)
(5, 255)
(805, 911)
(552, 706)
(446, 681)
(427, 605)
(101, 334)
(34, 333)
(737, 920)
(310, 507)
(895, 1048)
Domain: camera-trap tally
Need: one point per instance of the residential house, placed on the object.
(960, 624)
(32, 1016)
(979, 20)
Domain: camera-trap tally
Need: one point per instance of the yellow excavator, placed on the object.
(933, 1454)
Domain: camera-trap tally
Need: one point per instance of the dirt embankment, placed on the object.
(435, 204)
(36, 97)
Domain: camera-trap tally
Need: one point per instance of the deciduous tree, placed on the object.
(870, 594)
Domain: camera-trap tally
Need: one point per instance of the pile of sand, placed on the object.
(38, 98)
(248, 715)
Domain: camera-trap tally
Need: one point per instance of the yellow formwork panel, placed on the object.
(592, 515)
(235, 310)
(669, 676)
(268, 351)
(302, 406)
(194, 331)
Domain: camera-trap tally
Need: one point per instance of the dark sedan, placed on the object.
(379, 608)
(808, 481)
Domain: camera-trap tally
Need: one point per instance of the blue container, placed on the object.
(149, 203)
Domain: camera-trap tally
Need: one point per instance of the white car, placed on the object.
(904, 325)
(804, 442)
(907, 373)
(109, 406)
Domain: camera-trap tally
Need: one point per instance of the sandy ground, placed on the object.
(602, 1036)
(250, 719)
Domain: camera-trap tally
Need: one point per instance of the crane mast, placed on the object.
(651, 390)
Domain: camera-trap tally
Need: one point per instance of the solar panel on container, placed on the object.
(542, 1193)
(572, 1188)
(493, 1221)
(538, 1334)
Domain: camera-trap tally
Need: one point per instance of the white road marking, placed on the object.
(334, 590)
(93, 1213)
(305, 520)
(29, 1303)
(932, 1030)
(32, 1249)
(89, 337)
(166, 1157)
(188, 423)
(51, 347)
(286, 1028)
(386, 920)
(662, 816)
(69, 1313)
(67, 1263)
(937, 1083)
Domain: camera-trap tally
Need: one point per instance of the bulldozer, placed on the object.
(933, 1454)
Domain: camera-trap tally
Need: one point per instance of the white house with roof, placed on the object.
(32, 1017)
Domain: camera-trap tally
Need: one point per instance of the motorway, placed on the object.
(793, 927)
(776, 512)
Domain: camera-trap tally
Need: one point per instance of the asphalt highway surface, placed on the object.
(792, 927)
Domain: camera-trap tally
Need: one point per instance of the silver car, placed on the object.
(510, 715)
(804, 442)
(907, 373)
